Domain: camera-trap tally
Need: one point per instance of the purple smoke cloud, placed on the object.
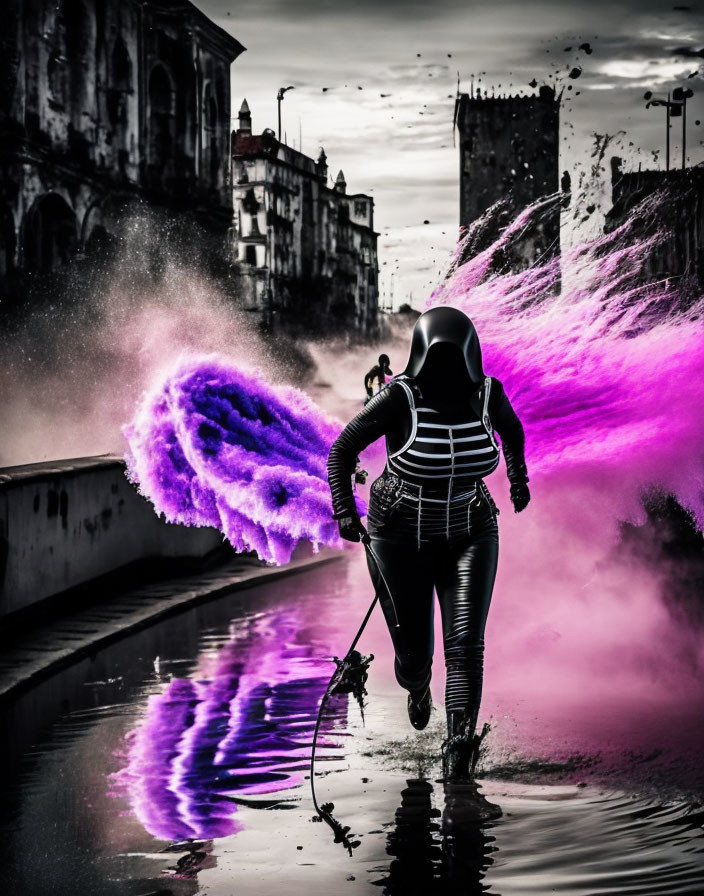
(604, 370)
(604, 367)
(214, 445)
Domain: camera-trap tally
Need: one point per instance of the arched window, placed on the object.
(7, 245)
(79, 31)
(120, 83)
(161, 117)
(49, 234)
(57, 61)
(79, 26)
(121, 66)
(211, 151)
(161, 91)
(57, 77)
(211, 108)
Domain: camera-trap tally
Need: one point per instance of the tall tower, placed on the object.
(340, 183)
(509, 150)
(245, 119)
(321, 166)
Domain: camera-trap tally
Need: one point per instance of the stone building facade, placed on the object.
(106, 103)
(306, 252)
(678, 215)
(509, 152)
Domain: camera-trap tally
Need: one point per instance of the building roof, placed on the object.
(545, 95)
(177, 9)
(266, 145)
(254, 144)
(546, 98)
(630, 187)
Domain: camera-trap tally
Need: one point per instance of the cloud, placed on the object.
(406, 159)
(645, 71)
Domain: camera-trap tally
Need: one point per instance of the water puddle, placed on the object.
(176, 762)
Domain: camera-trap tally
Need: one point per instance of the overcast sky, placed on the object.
(399, 147)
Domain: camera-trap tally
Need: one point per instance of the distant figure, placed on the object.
(379, 372)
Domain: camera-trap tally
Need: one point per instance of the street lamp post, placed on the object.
(675, 106)
(651, 101)
(669, 113)
(680, 95)
(279, 99)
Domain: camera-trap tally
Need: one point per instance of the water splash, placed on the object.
(214, 445)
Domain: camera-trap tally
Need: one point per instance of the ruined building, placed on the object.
(103, 104)
(678, 215)
(509, 152)
(306, 251)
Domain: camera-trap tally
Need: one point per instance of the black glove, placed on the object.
(350, 527)
(520, 496)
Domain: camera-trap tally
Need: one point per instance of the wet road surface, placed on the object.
(176, 761)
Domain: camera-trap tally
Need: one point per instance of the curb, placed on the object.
(26, 663)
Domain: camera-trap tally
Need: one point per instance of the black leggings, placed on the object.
(462, 571)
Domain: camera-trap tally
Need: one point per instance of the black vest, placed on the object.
(442, 455)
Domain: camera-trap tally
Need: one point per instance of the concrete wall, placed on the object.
(67, 522)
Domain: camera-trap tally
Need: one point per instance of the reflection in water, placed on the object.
(431, 856)
(230, 734)
(466, 846)
(241, 726)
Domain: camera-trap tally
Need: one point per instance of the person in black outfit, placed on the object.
(378, 373)
(431, 520)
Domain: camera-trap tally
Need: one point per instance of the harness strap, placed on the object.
(414, 417)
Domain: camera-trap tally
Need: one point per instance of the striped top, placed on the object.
(440, 454)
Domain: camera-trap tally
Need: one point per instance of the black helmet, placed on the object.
(445, 326)
(384, 361)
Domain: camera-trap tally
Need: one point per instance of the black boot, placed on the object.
(464, 802)
(419, 705)
(460, 754)
(457, 749)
